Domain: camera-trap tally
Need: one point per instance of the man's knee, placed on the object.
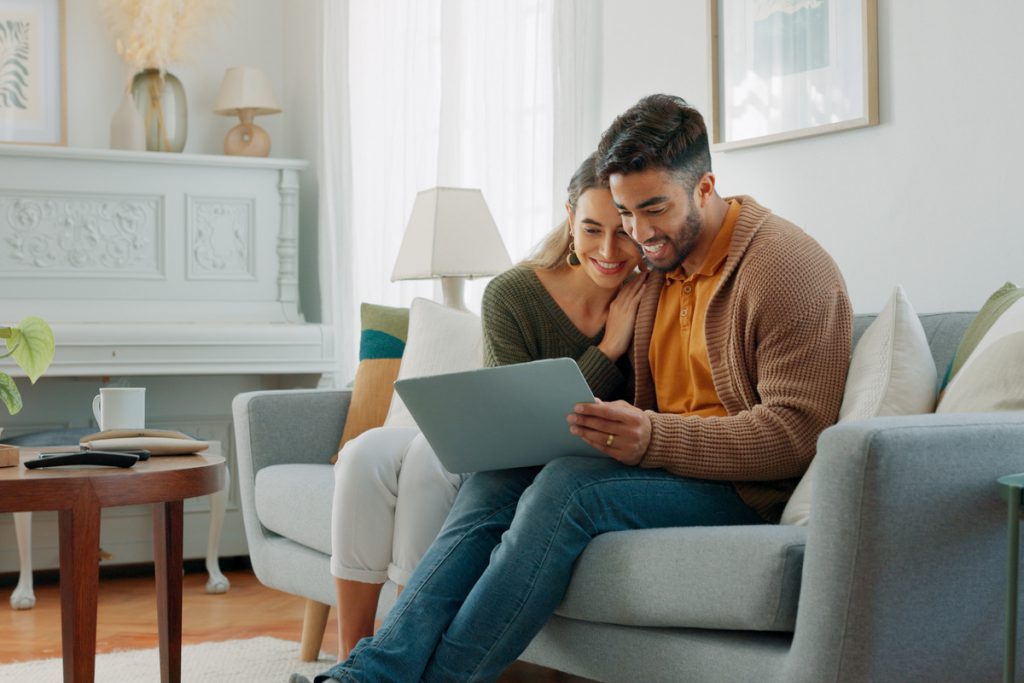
(561, 477)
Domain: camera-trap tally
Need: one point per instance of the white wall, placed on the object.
(925, 198)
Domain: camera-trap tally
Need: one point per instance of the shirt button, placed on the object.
(682, 313)
(687, 289)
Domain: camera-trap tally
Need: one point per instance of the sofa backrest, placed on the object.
(944, 332)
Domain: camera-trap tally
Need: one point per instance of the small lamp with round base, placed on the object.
(246, 93)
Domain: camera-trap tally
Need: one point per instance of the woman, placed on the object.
(571, 298)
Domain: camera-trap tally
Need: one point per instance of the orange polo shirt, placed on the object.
(679, 359)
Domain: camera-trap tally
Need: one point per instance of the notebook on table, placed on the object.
(502, 417)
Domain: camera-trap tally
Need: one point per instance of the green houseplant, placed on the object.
(30, 343)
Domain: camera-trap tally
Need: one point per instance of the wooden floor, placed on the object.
(127, 620)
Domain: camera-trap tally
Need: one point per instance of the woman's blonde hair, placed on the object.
(550, 252)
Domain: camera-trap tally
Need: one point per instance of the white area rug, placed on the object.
(256, 660)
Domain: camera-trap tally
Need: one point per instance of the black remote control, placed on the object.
(108, 458)
(141, 452)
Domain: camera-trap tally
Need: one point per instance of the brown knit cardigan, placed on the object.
(779, 330)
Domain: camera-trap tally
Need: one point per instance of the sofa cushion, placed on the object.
(1002, 316)
(739, 578)
(994, 381)
(381, 343)
(441, 340)
(995, 308)
(295, 502)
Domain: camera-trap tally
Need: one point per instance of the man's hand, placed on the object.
(619, 429)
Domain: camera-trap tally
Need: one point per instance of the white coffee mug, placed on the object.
(120, 408)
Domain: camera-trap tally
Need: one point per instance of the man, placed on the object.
(740, 355)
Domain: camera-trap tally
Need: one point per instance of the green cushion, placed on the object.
(997, 304)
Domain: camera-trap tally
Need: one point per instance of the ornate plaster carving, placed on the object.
(80, 234)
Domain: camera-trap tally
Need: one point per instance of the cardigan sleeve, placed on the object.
(800, 366)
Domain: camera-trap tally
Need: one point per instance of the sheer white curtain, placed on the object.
(499, 95)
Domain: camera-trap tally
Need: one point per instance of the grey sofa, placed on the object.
(899, 577)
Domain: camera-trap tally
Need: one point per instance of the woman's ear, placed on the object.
(572, 218)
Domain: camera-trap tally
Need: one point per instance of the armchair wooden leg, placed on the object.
(314, 623)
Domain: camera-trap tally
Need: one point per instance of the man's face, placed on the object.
(656, 210)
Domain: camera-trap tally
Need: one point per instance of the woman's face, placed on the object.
(606, 252)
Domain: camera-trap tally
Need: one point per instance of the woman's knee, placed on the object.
(421, 468)
(374, 455)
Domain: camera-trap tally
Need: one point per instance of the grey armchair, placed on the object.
(899, 577)
(283, 440)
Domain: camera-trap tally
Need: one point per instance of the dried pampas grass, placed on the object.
(152, 34)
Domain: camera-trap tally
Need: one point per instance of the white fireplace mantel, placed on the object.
(156, 264)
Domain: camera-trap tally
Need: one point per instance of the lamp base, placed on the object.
(247, 140)
(453, 288)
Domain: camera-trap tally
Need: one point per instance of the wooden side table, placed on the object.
(79, 495)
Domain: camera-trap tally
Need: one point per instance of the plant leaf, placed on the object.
(32, 346)
(9, 394)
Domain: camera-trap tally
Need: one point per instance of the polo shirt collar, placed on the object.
(719, 251)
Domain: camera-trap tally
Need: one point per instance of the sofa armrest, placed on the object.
(290, 426)
(905, 552)
(276, 428)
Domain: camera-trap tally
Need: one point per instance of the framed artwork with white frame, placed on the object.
(32, 72)
(785, 69)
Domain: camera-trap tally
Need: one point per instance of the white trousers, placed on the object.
(391, 496)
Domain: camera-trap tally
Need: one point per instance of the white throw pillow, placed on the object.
(440, 340)
(891, 373)
(992, 379)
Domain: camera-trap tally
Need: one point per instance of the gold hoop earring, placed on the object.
(571, 258)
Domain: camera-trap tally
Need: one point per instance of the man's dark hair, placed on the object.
(659, 131)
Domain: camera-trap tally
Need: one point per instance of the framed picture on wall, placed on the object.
(785, 69)
(32, 88)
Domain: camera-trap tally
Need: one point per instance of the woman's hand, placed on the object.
(618, 329)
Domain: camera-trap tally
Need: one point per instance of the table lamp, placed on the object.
(245, 93)
(450, 235)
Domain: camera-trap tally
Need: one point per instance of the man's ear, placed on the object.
(704, 189)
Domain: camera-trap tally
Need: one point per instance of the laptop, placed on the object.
(502, 417)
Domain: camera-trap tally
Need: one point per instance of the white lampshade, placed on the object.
(450, 234)
(245, 87)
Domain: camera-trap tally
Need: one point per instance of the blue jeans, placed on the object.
(503, 559)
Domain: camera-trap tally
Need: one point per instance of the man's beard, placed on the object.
(683, 244)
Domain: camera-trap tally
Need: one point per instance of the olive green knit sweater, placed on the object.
(523, 323)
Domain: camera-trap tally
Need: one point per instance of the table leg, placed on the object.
(1012, 551)
(79, 589)
(217, 582)
(168, 521)
(23, 596)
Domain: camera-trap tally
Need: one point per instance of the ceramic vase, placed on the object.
(127, 128)
(160, 99)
